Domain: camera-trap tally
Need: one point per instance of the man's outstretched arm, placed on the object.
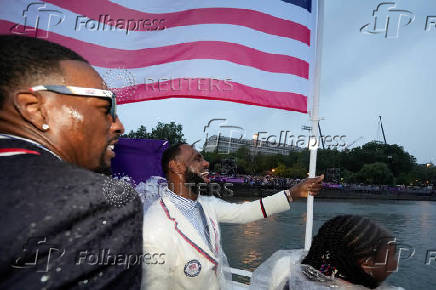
(262, 208)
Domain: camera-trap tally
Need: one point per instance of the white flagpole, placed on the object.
(313, 146)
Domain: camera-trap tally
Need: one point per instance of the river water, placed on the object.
(412, 222)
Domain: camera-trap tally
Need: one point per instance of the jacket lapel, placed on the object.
(214, 235)
(187, 231)
(213, 226)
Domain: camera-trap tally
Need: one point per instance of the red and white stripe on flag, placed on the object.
(253, 52)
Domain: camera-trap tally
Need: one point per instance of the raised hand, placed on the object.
(308, 186)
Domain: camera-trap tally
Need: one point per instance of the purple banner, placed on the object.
(138, 158)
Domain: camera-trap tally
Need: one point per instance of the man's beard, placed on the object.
(105, 165)
(104, 170)
(194, 180)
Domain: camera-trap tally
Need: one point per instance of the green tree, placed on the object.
(164, 131)
(168, 131)
(375, 173)
(348, 176)
(297, 172)
(405, 179)
(214, 159)
(243, 160)
(281, 170)
(292, 172)
(398, 160)
(328, 158)
(141, 133)
(422, 175)
(243, 153)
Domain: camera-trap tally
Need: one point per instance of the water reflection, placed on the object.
(426, 216)
(252, 257)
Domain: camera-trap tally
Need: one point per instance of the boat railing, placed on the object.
(243, 273)
(239, 272)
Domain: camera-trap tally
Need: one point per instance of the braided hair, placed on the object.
(342, 242)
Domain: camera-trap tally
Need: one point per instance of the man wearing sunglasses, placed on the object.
(61, 226)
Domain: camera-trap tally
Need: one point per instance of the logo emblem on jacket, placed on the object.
(192, 268)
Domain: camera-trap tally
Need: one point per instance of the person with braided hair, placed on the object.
(349, 252)
(354, 249)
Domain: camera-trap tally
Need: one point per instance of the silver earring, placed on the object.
(45, 127)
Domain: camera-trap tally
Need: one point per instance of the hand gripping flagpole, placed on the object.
(313, 145)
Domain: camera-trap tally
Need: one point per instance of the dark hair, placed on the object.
(170, 154)
(341, 243)
(26, 59)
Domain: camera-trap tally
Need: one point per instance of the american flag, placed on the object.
(257, 52)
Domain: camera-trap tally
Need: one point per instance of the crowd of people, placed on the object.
(268, 181)
(276, 182)
(380, 188)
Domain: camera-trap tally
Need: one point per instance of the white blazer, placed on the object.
(183, 260)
